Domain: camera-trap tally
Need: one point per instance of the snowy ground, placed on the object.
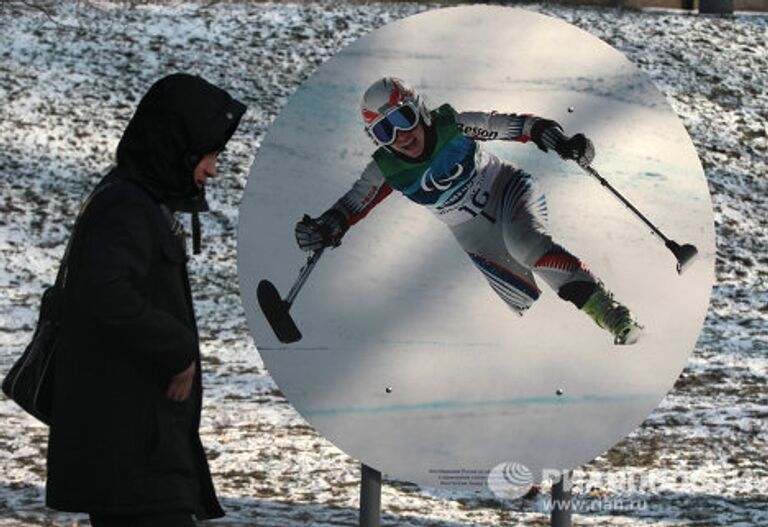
(68, 87)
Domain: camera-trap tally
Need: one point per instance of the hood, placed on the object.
(179, 120)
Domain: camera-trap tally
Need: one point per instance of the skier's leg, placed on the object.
(517, 289)
(523, 217)
(482, 240)
(613, 316)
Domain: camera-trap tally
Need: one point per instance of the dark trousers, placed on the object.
(167, 519)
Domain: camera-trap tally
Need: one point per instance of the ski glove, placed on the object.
(326, 231)
(549, 134)
(578, 148)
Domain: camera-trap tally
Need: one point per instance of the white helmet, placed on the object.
(379, 108)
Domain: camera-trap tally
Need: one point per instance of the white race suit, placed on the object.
(496, 211)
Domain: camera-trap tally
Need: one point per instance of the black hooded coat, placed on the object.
(117, 444)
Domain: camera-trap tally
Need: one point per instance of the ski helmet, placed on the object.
(386, 95)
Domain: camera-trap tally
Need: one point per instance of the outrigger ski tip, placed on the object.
(275, 310)
(685, 254)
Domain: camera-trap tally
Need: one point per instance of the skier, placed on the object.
(496, 211)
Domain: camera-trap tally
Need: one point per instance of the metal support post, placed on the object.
(716, 7)
(370, 497)
(561, 501)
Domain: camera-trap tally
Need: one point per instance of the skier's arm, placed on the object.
(327, 230)
(367, 192)
(487, 126)
(545, 133)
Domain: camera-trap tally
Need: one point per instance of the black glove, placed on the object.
(326, 231)
(578, 148)
(546, 134)
(549, 134)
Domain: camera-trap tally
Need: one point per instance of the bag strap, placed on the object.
(61, 276)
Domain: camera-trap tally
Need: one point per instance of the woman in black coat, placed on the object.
(124, 443)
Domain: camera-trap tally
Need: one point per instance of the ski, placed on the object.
(276, 310)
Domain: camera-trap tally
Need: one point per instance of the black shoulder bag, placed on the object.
(30, 380)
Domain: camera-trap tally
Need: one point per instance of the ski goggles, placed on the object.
(384, 130)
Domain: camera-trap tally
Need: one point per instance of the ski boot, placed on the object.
(611, 315)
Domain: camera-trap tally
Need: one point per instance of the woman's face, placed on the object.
(410, 143)
(205, 169)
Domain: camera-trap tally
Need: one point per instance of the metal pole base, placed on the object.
(561, 501)
(370, 497)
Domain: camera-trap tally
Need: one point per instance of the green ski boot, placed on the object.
(611, 315)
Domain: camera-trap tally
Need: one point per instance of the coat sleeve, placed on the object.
(367, 192)
(118, 251)
(485, 126)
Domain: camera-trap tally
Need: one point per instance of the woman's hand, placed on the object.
(181, 384)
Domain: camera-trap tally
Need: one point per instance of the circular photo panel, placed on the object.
(476, 244)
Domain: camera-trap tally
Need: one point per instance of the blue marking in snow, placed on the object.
(654, 175)
(446, 405)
